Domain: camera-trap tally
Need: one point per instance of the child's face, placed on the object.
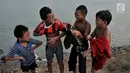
(100, 22)
(50, 18)
(79, 15)
(26, 36)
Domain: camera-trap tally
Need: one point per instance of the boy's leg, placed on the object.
(93, 70)
(82, 64)
(49, 65)
(61, 66)
(33, 67)
(25, 69)
(49, 56)
(26, 72)
(33, 71)
(98, 64)
(95, 65)
(73, 60)
(59, 55)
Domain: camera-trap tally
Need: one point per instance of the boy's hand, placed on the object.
(53, 40)
(88, 37)
(36, 34)
(83, 54)
(76, 33)
(86, 53)
(21, 58)
(66, 24)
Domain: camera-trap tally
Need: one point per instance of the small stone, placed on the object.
(1, 71)
(11, 71)
(122, 52)
(113, 58)
(40, 59)
(124, 69)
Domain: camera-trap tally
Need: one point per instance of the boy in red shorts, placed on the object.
(100, 46)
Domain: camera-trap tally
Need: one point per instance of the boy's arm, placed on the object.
(11, 54)
(92, 35)
(62, 28)
(108, 35)
(39, 30)
(75, 32)
(36, 34)
(87, 30)
(61, 35)
(74, 25)
(36, 43)
(7, 58)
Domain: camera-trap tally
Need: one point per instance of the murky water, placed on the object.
(14, 12)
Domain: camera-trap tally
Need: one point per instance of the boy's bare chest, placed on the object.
(81, 27)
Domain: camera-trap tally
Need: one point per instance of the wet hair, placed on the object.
(105, 15)
(20, 30)
(44, 12)
(83, 9)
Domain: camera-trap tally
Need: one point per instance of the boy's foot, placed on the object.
(75, 72)
(46, 71)
(87, 60)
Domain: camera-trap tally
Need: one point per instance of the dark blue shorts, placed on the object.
(31, 67)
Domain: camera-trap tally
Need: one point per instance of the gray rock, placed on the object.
(1, 71)
(1, 51)
(124, 68)
(11, 71)
(39, 58)
(115, 49)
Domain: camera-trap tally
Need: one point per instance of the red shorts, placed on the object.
(98, 64)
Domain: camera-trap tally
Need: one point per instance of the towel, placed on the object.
(100, 51)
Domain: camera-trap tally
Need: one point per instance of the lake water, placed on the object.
(14, 12)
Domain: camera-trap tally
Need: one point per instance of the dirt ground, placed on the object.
(118, 63)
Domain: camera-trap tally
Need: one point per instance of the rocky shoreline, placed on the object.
(118, 63)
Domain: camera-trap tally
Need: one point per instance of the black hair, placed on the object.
(104, 15)
(83, 9)
(44, 12)
(20, 30)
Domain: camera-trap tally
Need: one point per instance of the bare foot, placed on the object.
(75, 72)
